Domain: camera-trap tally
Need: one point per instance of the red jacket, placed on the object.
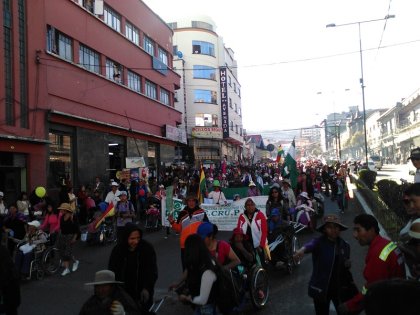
(258, 228)
(383, 261)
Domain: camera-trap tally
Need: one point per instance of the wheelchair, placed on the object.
(283, 244)
(252, 280)
(45, 262)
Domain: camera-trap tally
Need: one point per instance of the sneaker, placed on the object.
(75, 266)
(65, 272)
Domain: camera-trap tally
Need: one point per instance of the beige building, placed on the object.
(210, 93)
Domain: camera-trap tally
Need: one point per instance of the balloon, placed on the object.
(40, 191)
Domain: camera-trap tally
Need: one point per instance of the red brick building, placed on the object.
(85, 83)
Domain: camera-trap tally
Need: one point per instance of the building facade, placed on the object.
(87, 83)
(210, 93)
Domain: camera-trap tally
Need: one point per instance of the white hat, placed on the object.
(161, 186)
(1, 194)
(34, 223)
(104, 277)
(114, 184)
(414, 231)
(251, 183)
(304, 195)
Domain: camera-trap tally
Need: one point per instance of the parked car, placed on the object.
(371, 166)
(377, 160)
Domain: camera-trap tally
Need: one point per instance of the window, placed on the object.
(234, 87)
(206, 120)
(59, 44)
(230, 103)
(237, 129)
(200, 24)
(204, 72)
(112, 19)
(89, 59)
(173, 25)
(133, 81)
(164, 96)
(175, 50)
(163, 56)
(239, 110)
(88, 5)
(114, 71)
(203, 48)
(149, 46)
(150, 90)
(60, 159)
(239, 91)
(231, 125)
(205, 96)
(236, 108)
(132, 33)
(241, 132)
(230, 81)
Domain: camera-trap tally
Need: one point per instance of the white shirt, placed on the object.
(218, 197)
(112, 197)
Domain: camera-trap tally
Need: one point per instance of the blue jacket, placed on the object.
(323, 254)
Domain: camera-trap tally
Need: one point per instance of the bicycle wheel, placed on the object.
(259, 289)
(51, 260)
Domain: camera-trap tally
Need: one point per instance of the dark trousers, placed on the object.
(322, 306)
(23, 262)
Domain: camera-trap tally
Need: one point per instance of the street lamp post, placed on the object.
(361, 68)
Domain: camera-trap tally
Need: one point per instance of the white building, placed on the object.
(210, 93)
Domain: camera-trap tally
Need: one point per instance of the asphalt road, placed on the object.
(288, 293)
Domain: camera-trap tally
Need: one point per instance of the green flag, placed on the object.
(289, 167)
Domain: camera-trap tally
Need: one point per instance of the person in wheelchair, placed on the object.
(242, 248)
(33, 244)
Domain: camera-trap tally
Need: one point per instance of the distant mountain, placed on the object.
(274, 136)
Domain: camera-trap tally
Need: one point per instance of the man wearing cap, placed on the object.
(415, 159)
(124, 212)
(331, 276)
(217, 195)
(112, 196)
(109, 297)
(188, 221)
(383, 261)
(36, 238)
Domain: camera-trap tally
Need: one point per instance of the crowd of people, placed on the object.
(127, 286)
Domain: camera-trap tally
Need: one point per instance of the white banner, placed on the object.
(225, 217)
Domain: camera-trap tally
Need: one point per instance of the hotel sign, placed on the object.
(224, 102)
(207, 132)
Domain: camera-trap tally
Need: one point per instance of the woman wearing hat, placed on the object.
(109, 298)
(289, 198)
(331, 278)
(69, 232)
(36, 238)
(253, 191)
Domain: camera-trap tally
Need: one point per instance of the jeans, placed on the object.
(208, 309)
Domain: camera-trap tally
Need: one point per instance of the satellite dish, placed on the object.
(179, 54)
(270, 147)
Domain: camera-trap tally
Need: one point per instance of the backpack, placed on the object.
(227, 288)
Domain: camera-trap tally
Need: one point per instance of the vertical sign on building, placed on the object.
(224, 102)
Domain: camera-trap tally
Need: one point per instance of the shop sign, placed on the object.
(134, 162)
(224, 102)
(207, 132)
(175, 134)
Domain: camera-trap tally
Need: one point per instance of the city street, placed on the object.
(396, 172)
(288, 295)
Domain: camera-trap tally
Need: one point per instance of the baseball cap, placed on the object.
(205, 229)
(34, 223)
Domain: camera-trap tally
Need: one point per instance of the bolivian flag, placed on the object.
(109, 212)
(202, 186)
